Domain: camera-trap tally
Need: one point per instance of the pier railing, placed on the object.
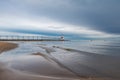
(28, 38)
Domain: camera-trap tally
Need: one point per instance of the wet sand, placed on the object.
(33, 68)
(37, 66)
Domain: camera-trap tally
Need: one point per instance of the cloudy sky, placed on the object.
(71, 18)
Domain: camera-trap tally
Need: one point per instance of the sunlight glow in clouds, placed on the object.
(45, 24)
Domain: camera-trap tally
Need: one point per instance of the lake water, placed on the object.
(86, 58)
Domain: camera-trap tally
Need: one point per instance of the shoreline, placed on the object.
(6, 46)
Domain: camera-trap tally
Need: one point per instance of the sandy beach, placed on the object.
(6, 46)
(37, 66)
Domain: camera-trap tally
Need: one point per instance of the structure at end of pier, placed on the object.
(30, 38)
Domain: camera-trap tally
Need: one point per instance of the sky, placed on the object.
(81, 19)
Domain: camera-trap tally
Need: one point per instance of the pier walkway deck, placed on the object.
(30, 38)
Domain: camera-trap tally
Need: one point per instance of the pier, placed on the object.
(30, 38)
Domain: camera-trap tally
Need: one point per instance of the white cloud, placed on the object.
(45, 24)
(6, 33)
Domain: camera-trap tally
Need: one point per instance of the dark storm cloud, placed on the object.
(103, 15)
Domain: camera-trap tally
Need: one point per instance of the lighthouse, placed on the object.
(62, 38)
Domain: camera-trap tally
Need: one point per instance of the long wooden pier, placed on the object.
(30, 38)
